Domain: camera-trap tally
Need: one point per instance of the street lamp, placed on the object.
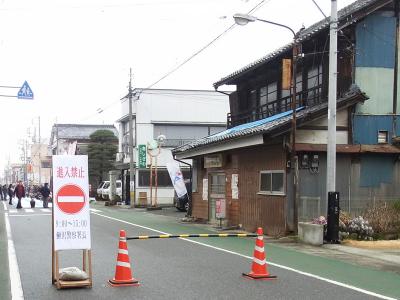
(154, 150)
(244, 19)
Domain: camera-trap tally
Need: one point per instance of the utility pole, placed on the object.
(40, 155)
(331, 147)
(131, 170)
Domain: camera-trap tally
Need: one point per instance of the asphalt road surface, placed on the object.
(165, 268)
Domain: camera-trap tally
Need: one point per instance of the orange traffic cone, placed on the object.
(123, 273)
(259, 265)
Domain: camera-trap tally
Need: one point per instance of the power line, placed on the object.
(319, 8)
(255, 8)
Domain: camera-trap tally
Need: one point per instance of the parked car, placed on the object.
(106, 189)
(99, 190)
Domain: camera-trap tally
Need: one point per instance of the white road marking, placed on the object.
(76, 199)
(28, 210)
(15, 279)
(30, 215)
(95, 210)
(45, 210)
(251, 258)
(13, 211)
(5, 206)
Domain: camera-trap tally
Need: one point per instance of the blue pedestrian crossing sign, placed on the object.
(25, 92)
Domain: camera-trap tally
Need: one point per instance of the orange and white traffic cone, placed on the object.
(259, 265)
(123, 273)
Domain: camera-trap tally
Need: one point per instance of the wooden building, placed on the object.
(244, 175)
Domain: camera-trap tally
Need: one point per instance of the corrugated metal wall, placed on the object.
(374, 61)
(366, 127)
(313, 194)
(359, 185)
(375, 37)
(364, 196)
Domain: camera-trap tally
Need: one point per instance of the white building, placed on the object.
(181, 116)
(40, 166)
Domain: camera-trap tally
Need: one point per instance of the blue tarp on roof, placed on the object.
(253, 124)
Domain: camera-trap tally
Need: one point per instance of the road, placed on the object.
(205, 268)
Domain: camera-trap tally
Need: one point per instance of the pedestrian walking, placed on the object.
(19, 191)
(45, 191)
(4, 191)
(10, 193)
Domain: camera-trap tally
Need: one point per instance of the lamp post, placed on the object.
(244, 19)
(154, 150)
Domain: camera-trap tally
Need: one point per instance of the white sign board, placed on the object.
(234, 186)
(71, 202)
(205, 189)
(220, 208)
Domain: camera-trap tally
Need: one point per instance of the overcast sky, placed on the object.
(76, 54)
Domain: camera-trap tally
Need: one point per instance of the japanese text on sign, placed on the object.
(70, 172)
(142, 156)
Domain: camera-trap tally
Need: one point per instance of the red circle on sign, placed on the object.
(70, 199)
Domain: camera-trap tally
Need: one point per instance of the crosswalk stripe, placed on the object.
(13, 211)
(28, 210)
(45, 210)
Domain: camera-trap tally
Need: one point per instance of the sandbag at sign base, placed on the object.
(72, 274)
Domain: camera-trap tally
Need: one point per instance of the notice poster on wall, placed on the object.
(220, 208)
(71, 202)
(234, 186)
(205, 189)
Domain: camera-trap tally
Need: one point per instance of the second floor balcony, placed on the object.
(310, 97)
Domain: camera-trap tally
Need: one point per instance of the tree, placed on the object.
(102, 150)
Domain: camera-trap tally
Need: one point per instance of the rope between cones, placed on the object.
(169, 236)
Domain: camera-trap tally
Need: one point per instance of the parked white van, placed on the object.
(106, 189)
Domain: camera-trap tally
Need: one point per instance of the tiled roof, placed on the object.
(79, 131)
(270, 124)
(345, 14)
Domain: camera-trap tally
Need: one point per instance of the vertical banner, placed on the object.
(286, 73)
(71, 202)
(177, 178)
(142, 156)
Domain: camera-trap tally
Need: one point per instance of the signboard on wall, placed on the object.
(213, 161)
(142, 156)
(71, 202)
(220, 208)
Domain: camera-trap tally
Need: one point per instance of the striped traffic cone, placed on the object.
(123, 273)
(259, 265)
